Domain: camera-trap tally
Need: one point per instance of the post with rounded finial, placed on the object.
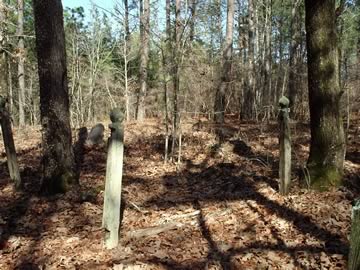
(354, 255)
(114, 167)
(285, 146)
(9, 144)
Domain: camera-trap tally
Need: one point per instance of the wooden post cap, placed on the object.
(116, 115)
(284, 102)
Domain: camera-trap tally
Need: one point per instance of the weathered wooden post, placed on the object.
(9, 144)
(114, 166)
(285, 146)
(354, 256)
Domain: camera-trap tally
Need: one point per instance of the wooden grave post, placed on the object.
(114, 167)
(354, 256)
(9, 144)
(285, 146)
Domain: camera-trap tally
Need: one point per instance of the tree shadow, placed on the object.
(79, 150)
(230, 182)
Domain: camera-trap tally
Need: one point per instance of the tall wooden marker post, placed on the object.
(9, 144)
(354, 256)
(285, 146)
(114, 168)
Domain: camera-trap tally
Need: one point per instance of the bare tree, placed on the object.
(219, 107)
(21, 63)
(249, 99)
(294, 44)
(176, 72)
(3, 56)
(144, 57)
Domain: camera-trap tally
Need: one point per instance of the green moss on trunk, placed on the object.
(327, 149)
(322, 178)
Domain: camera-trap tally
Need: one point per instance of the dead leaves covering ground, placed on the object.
(219, 209)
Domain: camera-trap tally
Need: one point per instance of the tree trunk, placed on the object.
(126, 60)
(219, 107)
(192, 20)
(249, 100)
(21, 63)
(126, 21)
(144, 58)
(176, 73)
(10, 85)
(268, 59)
(57, 160)
(327, 149)
(294, 43)
(3, 56)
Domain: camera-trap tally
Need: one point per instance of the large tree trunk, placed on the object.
(327, 149)
(57, 160)
(21, 63)
(144, 58)
(219, 107)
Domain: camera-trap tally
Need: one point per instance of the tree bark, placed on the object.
(219, 107)
(327, 149)
(3, 56)
(192, 20)
(267, 58)
(294, 44)
(176, 73)
(21, 63)
(57, 161)
(144, 58)
(249, 100)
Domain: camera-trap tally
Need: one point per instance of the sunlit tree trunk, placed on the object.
(219, 107)
(176, 74)
(327, 149)
(144, 57)
(126, 59)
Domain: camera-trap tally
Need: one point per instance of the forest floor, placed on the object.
(219, 209)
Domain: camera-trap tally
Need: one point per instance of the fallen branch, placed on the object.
(154, 230)
(151, 231)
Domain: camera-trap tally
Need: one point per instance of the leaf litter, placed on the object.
(218, 209)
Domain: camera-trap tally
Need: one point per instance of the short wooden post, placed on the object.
(9, 144)
(354, 256)
(285, 147)
(114, 167)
